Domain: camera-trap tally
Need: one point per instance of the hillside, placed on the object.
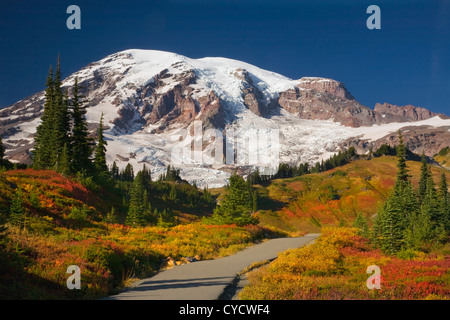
(443, 157)
(334, 197)
(65, 223)
(68, 221)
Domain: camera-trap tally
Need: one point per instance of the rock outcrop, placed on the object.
(325, 99)
(387, 113)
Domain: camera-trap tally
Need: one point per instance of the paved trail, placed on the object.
(206, 280)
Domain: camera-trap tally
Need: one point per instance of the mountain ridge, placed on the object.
(147, 96)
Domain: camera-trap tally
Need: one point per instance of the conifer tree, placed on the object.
(43, 140)
(81, 143)
(64, 162)
(139, 211)
(115, 171)
(395, 216)
(402, 171)
(173, 193)
(17, 214)
(136, 209)
(362, 224)
(390, 226)
(236, 206)
(61, 125)
(127, 174)
(430, 198)
(424, 176)
(111, 217)
(100, 152)
(444, 203)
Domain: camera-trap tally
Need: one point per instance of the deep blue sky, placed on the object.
(406, 62)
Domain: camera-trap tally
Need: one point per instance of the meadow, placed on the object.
(334, 268)
(63, 227)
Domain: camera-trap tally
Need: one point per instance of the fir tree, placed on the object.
(139, 211)
(207, 196)
(127, 174)
(111, 217)
(395, 216)
(61, 125)
(402, 171)
(81, 143)
(173, 193)
(43, 140)
(115, 171)
(136, 209)
(236, 206)
(444, 203)
(64, 163)
(17, 214)
(420, 230)
(254, 201)
(430, 198)
(390, 226)
(101, 167)
(362, 224)
(424, 176)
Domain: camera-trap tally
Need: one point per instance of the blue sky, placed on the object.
(406, 62)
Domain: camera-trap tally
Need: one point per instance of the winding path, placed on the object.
(206, 280)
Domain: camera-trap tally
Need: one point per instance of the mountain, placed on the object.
(155, 104)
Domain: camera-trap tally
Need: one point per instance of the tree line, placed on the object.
(286, 170)
(411, 219)
(62, 141)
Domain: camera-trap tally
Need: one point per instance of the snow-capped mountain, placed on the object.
(156, 103)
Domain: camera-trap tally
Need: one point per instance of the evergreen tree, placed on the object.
(81, 143)
(101, 167)
(173, 193)
(444, 203)
(64, 163)
(362, 224)
(390, 226)
(136, 209)
(420, 231)
(254, 201)
(17, 214)
(127, 174)
(115, 171)
(395, 216)
(43, 140)
(236, 206)
(139, 211)
(61, 125)
(111, 217)
(424, 177)
(207, 196)
(402, 171)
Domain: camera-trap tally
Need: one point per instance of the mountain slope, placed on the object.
(334, 197)
(152, 99)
